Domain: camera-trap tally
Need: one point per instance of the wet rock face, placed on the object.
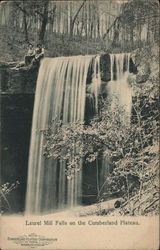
(16, 121)
(105, 67)
(132, 67)
(23, 80)
(4, 76)
(17, 80)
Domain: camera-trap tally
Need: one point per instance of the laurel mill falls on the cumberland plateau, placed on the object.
(79, 95)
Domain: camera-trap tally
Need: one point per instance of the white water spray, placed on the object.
(96, 81)
(118, 87)
(61, 92)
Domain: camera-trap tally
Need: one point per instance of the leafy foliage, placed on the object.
(5, 190)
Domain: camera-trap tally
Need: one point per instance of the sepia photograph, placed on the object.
(79, 94)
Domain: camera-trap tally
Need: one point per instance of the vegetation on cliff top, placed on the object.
(77, 27)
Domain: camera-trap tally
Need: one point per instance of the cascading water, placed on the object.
(60, 93)
(96, 81)
(118, 87)
(119, 93)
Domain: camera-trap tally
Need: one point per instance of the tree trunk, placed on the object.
(70, 16)
(25, 23)
(131, 37)
(44, 21)
(59, 18)
(89, 19)
(25, 27)
(109, 18)
(83, 22)
(66, 19)
(75, 17)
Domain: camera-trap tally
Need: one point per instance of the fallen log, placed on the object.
(102, 208)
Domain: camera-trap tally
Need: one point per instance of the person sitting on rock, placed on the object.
(30, 55)
(39, 52)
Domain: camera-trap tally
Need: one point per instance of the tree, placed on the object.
(135, 16)
(73, 19)
(44, 21)
(41, 12)
(22, 8)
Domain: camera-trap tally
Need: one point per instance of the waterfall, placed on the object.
(118, 91)
(60, 93)
(96, 81)
(118, 87)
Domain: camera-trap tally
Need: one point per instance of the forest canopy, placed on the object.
(89, 26)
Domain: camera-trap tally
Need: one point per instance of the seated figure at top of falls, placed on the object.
(32, 57)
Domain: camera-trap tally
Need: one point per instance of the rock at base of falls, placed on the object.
(102, 208)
